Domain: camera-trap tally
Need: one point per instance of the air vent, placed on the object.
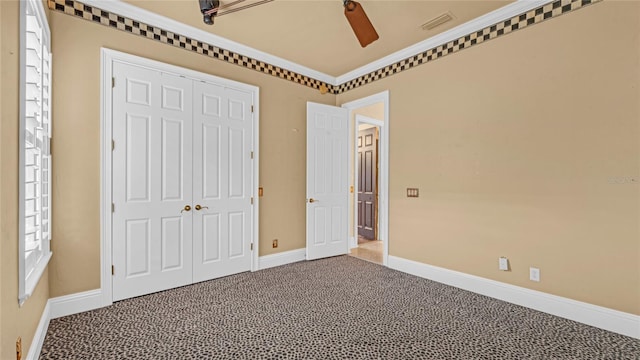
(437, 21)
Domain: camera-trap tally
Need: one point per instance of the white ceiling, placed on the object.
(316, 34)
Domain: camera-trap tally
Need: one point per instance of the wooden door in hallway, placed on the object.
(367, 182)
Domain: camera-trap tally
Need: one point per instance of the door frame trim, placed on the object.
(383, 176)
(107, 58)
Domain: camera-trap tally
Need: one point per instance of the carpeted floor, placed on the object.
(336, 308)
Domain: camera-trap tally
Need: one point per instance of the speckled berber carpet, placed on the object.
(336, 308)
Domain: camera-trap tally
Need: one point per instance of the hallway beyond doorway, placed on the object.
(370, 250)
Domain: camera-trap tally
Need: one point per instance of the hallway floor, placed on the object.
(370, 250)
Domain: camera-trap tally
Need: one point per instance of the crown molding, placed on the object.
(125, 9)
(506, 12)
(479, 23)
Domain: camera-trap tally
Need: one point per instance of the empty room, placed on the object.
(319, 179)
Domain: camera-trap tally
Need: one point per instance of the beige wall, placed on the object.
(15, 321)
(76, 169)
(517, 146)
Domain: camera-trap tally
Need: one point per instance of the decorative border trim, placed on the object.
(518, 22)
(593, 315)
(503, 21)
(75, 303)
(202, 43)
(479, 23)
(283, 258)
(41, 332)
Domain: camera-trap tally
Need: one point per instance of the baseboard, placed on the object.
(75, 303)
(353, 243)
(597, 316)
(41, 332)
(283, 258)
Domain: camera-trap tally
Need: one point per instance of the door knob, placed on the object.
(198, 207)
(312, 200)
(186, 208)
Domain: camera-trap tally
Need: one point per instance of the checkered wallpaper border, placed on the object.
(91, 13)
(535, 16)
(518, 22)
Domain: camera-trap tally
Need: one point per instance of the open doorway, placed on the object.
(369, 178)
(369, 246)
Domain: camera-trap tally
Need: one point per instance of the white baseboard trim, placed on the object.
(597, 316)
(75, 303)
(353, 243)
(41, 332)
(283, 258)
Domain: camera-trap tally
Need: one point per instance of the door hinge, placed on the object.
(252, 154)
(251, 246)
(252, 200)
(113, 145)
(252, 108)
(113, 207)
(113, 270)
(113, 82)
(50, 146)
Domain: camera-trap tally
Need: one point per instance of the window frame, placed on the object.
(29, 276)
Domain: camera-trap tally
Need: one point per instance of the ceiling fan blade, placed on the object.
(360, 23)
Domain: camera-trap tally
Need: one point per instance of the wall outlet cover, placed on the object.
(534, 274)
(503, 263)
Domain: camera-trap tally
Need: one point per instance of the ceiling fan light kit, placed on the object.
(360, 23)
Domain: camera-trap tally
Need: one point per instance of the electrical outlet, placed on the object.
(503, 263)
(19, 349)
(534, 274)
(274, 243)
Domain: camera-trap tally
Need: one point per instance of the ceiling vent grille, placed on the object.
(437, 21)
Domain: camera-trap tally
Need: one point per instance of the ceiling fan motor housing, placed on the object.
(205, 7)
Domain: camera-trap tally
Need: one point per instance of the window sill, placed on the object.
(31, 282)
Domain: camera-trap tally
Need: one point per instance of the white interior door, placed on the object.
(327, 180)
(152, 159)
(222, 149)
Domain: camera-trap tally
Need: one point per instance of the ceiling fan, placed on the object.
(357, 18)
(360, 23)
(212, 8)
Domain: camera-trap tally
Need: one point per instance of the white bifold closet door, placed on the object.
(181, 181)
